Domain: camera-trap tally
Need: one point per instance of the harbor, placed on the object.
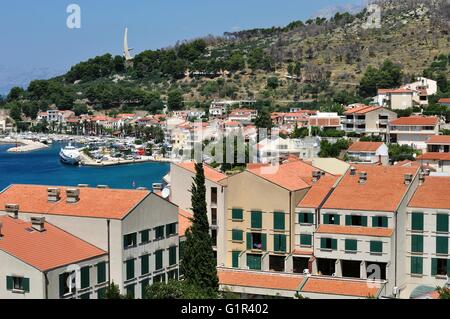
(23, 145)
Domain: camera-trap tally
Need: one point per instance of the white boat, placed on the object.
(70, 155)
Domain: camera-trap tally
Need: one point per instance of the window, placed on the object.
(237, 235)
(305, 240)
(376, 247)
(237, 214)
(417, 265)
(355, 220)
(172, 255)
(235, 258)
(101, 293)
(441, 245)
(159, 232)
(213, 195)
(440, 267)
(279, 243)
(254, 262)
(145, 236)
(172, 275)
(86, 296)
(129, 265)
(84, 273)
(130, 291)
(380, 221)
(159, 278)
(130, 240)
(351, 245)
(214, 216)
(305, 218)
(145, 268)
(416, 244)
(64, 288)
(328, 243)
(331, 219)
(256, 220)
(101, 272)
(214, 237)
(158, 259)
(417, 221)
(442, 223)
(144, 284)
(256, 241)
(171, 229)
(278, 221)
(18, 284)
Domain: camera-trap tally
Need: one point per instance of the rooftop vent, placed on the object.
(53, 194)
(83, 185)
(157, 187)
(316, 176)
(408, 179)
(103, 186)
(73, 195)
(352, 171)
(362, 177)
(12, 210)
(38, 223)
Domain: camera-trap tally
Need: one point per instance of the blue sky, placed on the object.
(35, 38)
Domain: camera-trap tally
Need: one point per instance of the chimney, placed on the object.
(427, 172)
(362, 177)
(12, 210)
(103, 186)
(352, 171)
(421, 177)
(73, 195)
(316, 176)
(408, 179)
(38, 223)
(53, 194)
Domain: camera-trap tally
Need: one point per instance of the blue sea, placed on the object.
(44, 168)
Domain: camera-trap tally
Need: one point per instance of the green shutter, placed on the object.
(326, 219)
(376, 246)
(85, 278)
(9, 283)
(348, 220)
(416, 244)
(130, 291)
(416, 265)
(145, 269)
(433, 266)
(101, 293)
(264, 241)
(144, 284)
(417, 221)
(237, 214)
(278, 221)
(254, 262)
(130, 269)
(283, 243)
(351, 245)
(249, 241)
(323, 243)
(334, 244)
(145, 236)
(256, 220)
(364, 221)
(101, 272)
(442, 222)
(305, 240)
(237, 235)
(172, 255)
(86, 296)
(235, 258)
(26, 284)
(276, 242)
(337, 219)
(158, 260)
(441, 245)
(375, 221)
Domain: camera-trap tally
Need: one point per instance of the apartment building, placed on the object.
(270, 150)
(325, 121)
(368, 153)
(413, 131)
(424, 88)
(365, 119)
(138, 229)
(38, 258)
(244, 116)
(181, 176)
(444, 102)
(427, 262)
(396, 99)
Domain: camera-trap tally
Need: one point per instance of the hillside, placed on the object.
(315, 59)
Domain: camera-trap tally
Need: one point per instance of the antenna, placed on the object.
(126, 49)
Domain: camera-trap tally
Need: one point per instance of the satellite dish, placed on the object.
(165, 193)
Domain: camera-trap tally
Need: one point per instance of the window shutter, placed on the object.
(276, 242)
(417, 221)
(62, 284)
(145, 236)
(9, 283)
(334, 244)
(144, 285)
(264, 241)
(348, 220)
(144, 265)
(442, 222)
(101, 293)
(376, 246)
(172, 255)
(416, 265)
(249, 241)
(364, 221)
(256, 220)
(85, 277)
(283, 243)
(337, 219)
(351, 245)
(305, 240)
(416, 244)
(323, 243)
(235, 258)
(278, 221)
(101, 272)
(441, 245)
(375, 221)
(237, 214)
(130, 268)
(433, 266)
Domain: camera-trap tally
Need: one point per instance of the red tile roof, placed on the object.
(383, 190)
(444, 100)
(94, 202)
(184, 221)
(439, 139)
(318, 192)
(365, 146)
(325, 122)
(433, 193)
(50, 249)
(362, 109)
(255, 279)
(210, 173)
(355, 230)
(399, 90)
(415, 120)
(434, 156)
(340, 286)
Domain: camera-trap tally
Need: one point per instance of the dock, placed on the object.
(24, 146)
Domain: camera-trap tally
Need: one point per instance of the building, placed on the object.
(438, 143)
(138, 229)
(270, 150)
(413, 131)
(244, 116)
(368, 153)
(366, 120)
(325, 121)
(437, 161)
(220, 108)
(424, 88)
(444, 102)
(396, 99)
(39, 261)
(181, 176)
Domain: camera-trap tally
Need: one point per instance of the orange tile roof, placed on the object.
(255, 279)
(325, 121)
(434, 156)
(344, 287)
(355, 230)
(300, 252)
(184, 221)
(415, 120)
(383, 190)
(365, 146)
(399, 90)
(318, 192)
(210, 173)
(444, 100)
(439, 139)
(433, 193)
(363, 109)
(50, 249)
(94, 202)
(294, 175)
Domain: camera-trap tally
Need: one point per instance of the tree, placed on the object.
(299, 132)
(198, 264)
(263, 120)
(444, 293)
(175, 100)
(15, 94)
(272, 83)
(15, 112)
(399, 153)
(389, 75)
(113, 292)
(174, 290)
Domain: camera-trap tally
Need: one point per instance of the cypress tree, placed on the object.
(198, 264)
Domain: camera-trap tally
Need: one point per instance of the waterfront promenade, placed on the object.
(88, 161)
(23, 146)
